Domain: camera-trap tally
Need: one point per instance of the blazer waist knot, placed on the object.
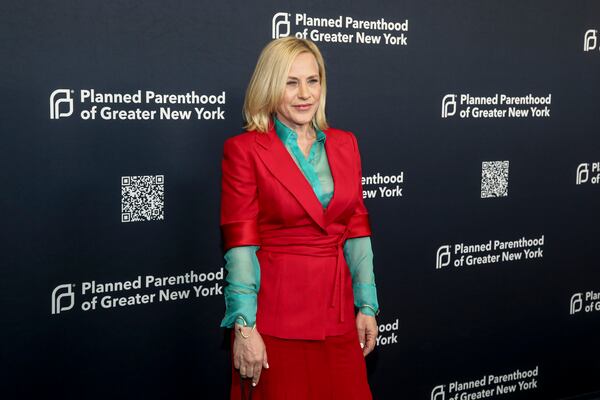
(320, 246)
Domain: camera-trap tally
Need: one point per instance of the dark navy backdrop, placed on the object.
(64, 194)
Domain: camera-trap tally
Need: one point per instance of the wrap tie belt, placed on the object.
(325, 246)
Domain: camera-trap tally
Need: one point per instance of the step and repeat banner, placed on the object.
(478, 125)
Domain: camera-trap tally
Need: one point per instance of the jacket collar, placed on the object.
(341, 159)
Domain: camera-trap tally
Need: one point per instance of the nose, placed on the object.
(303, 91)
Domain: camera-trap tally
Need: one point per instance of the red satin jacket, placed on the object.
(305, 283)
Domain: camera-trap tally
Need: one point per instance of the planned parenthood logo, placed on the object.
(590, 40)
(141, 105)
(448, 105)
(340, 29)
(63, 298)
(142, 290)
(498, 105)
(61, 103)
(588, 173)
(281, 25)
(584, 302)
(461, 255)
(488, 386)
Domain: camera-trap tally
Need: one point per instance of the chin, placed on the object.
(299, 118)
(303, 119)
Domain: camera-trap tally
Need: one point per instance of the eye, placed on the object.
(313, 81)
(291, 83)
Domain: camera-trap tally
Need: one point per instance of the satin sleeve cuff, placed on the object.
(239, 197)
(240, 233)
(359, 225)
(243, 283)
(359, 256)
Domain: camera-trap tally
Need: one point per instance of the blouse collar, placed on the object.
(284, 132)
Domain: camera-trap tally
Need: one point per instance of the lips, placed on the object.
(303, 106)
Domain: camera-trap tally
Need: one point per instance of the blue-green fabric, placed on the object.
(315, 167)
(243, 269)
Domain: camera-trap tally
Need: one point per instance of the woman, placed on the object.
(296, 234)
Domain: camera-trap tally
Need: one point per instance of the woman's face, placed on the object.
(302, 92)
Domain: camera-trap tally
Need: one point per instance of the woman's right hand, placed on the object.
(249, 354)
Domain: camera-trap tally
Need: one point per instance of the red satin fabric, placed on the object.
(359, 225)
(321, 246)
(330, 369)
(240, 233)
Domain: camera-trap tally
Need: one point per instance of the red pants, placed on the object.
(330, 369)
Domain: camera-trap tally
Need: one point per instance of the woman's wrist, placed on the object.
(244, 331)
(369, 310)
(242, 328)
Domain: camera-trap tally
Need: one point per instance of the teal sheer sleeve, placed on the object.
(359, 256)
(243, 283)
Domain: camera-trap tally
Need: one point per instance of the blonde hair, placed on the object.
(267, 85)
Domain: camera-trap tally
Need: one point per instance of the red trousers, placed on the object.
(330, 369)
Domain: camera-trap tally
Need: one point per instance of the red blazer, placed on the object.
(267, 201)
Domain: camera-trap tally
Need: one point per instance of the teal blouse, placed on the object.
(241, 263)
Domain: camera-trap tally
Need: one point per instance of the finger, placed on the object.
(249, 371)
(265, 362)
(361, 337)
(369, 346)
(243, 371)
(371, 341)
(257, 371)
(236, 363)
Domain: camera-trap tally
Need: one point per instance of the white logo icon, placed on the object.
(576, 303)
(55, 103)
(60, 295)
(281, 21)
(442, 257)
(438, 393)
(448, 105)
(583, 173)
(590, 40)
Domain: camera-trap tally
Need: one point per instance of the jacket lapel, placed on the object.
(280, 163)
(341, 164)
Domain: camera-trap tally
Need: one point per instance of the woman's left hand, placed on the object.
(367, 332)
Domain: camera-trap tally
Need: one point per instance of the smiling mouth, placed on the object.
(303, 106)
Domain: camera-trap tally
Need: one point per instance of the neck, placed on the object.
(304, 131)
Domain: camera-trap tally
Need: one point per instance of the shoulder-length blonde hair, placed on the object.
(266, 87)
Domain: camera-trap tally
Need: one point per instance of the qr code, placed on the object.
(142, 198)
(494, 179)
